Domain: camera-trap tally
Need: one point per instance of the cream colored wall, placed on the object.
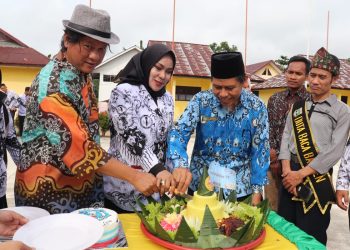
(342, 92)
(273, 71)
(264, 94)
(17, 78)
(203, 83)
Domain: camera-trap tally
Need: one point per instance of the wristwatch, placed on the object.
(257, 189)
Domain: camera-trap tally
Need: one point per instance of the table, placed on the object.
(273, 240)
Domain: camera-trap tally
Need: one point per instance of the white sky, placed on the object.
(275, 27)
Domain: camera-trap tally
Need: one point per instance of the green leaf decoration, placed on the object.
(184, 233)
(209, 235)
(142, 206)
(210, 241)
(221, 194)
(151, 200)
(164, 198)
(203, 188)
(248, 235)
(180, 198)
(237, 235)
(265, 209)
(187, 244)
(248, 200)
(209, 226)
(145, 222)
(161, 233)
(233, 196)
(227, 242)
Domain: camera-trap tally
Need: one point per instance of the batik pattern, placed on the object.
(343, 180)
(11, 101)
(237, 140)
(278, 108)
(8, 142)
(61, 150)
(141, 128)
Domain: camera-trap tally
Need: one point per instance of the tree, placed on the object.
(223, 47)
(282, 62)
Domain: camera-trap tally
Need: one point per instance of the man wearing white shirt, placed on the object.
(22, 100)
(11, 101)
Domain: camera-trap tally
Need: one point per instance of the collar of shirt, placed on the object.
(330, 100)
(243, 99)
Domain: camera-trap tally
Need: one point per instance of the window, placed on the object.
(95, 76)
(109, 78)
(267, 72)
(184, 93)
(344, 99)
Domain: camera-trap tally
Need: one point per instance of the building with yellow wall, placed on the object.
(191, 74)
(19, 64)
(182, 82)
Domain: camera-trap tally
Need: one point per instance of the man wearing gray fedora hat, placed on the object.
(62, 162)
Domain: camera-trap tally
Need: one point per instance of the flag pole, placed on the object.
(246, 32)
(327, 31)
(173, 38)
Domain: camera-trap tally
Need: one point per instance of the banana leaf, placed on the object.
(265, 210)
(210, 241)
(164, 198)
(248, 200)
(209, 235)
(221, 194)
(151, 200)
(184, 233)
(202, 188)
(227, 242)
(237, 235)
(209, 226)
(233, 196)
(248, 235)
(145, 212)
(161, 233)
(145, 222)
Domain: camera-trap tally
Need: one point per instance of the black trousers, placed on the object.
(21, 124)
(313, 222)
(3, 202)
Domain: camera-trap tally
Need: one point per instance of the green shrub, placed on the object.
(103, 120)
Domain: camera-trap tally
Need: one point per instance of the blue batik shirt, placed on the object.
(238, 140)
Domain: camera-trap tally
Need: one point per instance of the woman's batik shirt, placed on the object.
(343, 180)
(60, 150)
(9, 142)
(141, 128)
(237, 140)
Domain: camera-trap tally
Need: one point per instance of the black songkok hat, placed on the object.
(226, 65)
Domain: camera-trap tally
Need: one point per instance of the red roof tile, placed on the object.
(252, 68)
(280, 82)
(15, 52)
(191, 59)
